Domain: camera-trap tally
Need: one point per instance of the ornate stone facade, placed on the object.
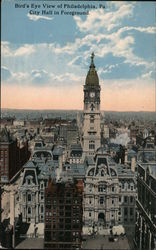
(105, 200)
(101, 204)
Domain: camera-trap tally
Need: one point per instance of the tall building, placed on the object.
(91, 138)
(12, 156)
(145, 230)
(63, 214)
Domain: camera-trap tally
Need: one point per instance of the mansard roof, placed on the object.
(103, 165)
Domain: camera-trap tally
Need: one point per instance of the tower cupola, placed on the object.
(92, 78)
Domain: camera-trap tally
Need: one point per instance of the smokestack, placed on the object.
(60, 163)
(133, 164)
(12, 207)
(126, 155)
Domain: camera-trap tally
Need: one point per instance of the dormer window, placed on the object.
(91, 172)
(102, 173)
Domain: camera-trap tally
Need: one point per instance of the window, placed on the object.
(125, 199)
(132, 187)
(131, 211)
(119, 213)
(125, 211)
(112, 189)
(102, 173)
(119, 198)
(112, 201)
(91, 146)
(29, 210)
(131, 199)
(92, 107)
(90, 214)
(101, 200)
(29, 197)
(29, 182)
(42, 210)
(101, 188)
(42, 195)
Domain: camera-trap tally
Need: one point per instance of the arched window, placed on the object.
(92, 107)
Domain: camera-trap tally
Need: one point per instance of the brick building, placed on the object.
(145, 230)
(12, 156)
(63, 214)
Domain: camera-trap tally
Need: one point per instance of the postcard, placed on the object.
(78, 102)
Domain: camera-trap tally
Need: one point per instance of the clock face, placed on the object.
(92, 94)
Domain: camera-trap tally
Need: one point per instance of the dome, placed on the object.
(92, 78)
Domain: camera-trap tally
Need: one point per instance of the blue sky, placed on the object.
(41, 52)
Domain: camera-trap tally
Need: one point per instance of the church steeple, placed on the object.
(92, 76)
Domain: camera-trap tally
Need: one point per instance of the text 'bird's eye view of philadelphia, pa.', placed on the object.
(78, 125)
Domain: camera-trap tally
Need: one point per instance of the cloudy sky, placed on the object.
(45, 58)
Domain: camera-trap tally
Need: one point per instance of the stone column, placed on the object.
(150, 239)
(140, 243)
(36, 214)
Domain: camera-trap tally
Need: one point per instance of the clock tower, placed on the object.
(91, 113)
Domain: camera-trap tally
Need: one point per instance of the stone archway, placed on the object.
(101, 220)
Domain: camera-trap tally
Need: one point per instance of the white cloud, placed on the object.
(38, 17)
(8, 50)
(5, 49)
(147, 75)
(27, 49)
(103, 33)
(107, 69)
(98, 19)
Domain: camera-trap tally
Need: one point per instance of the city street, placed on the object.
(102, 242)
(35, 243)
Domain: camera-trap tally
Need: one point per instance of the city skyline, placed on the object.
(44, 67)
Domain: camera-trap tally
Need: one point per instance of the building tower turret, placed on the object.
(91, 112)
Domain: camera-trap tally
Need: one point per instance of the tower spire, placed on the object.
(92, 60)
